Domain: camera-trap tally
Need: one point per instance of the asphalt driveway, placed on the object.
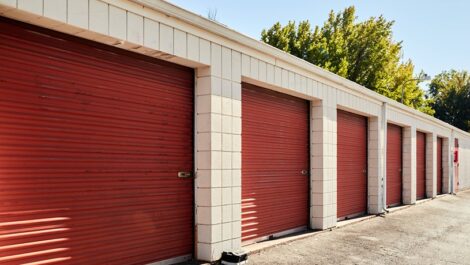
(434, 232)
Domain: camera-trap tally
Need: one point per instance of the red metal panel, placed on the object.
(394, 164)
(420, 165)
(352, 164)
(439, 165)
(91, 140)
(275, 142)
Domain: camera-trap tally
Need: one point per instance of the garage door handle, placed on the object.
(183, 174)
(304, 172)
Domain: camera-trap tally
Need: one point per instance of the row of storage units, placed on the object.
(275, 164)
(91, 136)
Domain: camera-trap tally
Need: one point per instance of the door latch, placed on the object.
(304, 172)
(183, 174)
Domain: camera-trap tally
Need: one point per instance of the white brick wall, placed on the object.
(323, 164)
(375, 185)
(409, 165)
(221, 65)
(431, 165)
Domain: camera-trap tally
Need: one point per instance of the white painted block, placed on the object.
(236, 66)
(135, 28)
(209, 252)
(193, 47)
(226, 142)
(226, 63)
(9, 3)
(236, 195)
(98, 19)
(209, 215)
(226, 178)
(270, 73)
(298, 83)
(227, 197)
(226, 106)
(77, 13)
(32, 6)
(236, 211)
(277, 76)
(254, 68)
(227, 245)
(226, 124)
(227, 231)
(216, 160)
(204, 51)
(236, 91)
(237, 177)
(166, 39)
(285, 78)
(216, 59)
(56, 9)
(236, 140)
(151, 34)
(291, 79)
(216, 122)
(226, 160)
(209, 197)
(262, 71)
(236, 126)
(246, 65)
(203, 141)
(117, 22)
(236, 160)
(227, 213)
(209, 178)
(226, 89)
(180, 43)
(209, 233)
(236, 108)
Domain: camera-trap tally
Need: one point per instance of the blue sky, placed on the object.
(435, 33)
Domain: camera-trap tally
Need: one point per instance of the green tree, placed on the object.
(450, 91)
(363, 52)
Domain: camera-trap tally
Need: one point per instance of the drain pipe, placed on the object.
(384, 157)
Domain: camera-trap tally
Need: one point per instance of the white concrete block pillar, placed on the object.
(409, 165)
(323, 165)
(446, 165)
(218, 155)
(375, 156)
(431, 165)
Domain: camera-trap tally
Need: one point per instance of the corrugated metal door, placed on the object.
(439, 166)
(91, 141)
(420, 165)
(394, 164)
(352, 164)
(275, 144)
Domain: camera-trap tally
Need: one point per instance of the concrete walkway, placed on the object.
(435, 232)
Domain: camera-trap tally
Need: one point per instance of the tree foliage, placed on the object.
(363, 52)
(450, 91)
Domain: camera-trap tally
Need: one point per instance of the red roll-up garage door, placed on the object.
(420, 165)
(394, 165)
(439, 166)
(352, 164)
(275, 144)
(91, 141)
